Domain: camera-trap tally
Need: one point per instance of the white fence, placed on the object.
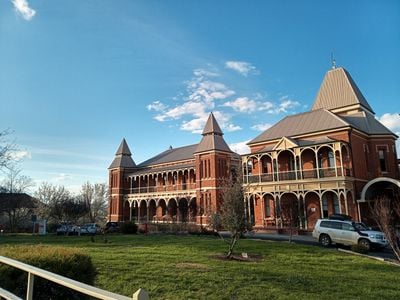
(64, 281)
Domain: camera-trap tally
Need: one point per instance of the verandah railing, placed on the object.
(297, 175)
(64, 281)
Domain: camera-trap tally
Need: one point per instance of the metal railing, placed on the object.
(297, 175)
(64, 281)
(163, 188)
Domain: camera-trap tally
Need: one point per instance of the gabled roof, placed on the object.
(338, 90)
(171, 155)
(212, 137)
(285, 143)
(123, 157)
(308, 122)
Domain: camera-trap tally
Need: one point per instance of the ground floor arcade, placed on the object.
(273, 210)
(170, 210)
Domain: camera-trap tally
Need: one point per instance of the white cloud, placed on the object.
(201, 94)
(261, 127)
(204, 73)
(62, 177)
(242, 67)
(240, 148)
(197, 124)
(22, 8)
(286, 104)
(156, 106)
(242, 104)
(246, 105)
(392, 122)
(21, 154)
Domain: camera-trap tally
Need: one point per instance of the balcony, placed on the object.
(163, 188)
(309, 174)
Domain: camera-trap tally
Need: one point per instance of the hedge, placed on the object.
(68, 262)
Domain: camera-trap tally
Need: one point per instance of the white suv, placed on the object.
(347, 232)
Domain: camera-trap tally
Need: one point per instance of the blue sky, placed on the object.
(77, 76)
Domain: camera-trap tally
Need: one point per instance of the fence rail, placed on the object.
(64, 281)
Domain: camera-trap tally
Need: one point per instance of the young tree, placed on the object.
(233, 216)
(385, 213)
(290, 214)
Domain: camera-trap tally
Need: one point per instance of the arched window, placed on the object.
(331, 159)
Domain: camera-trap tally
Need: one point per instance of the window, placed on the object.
(331, 159)
(250, 167)
(336, 204)
(348, 227)
(382, 159)
(267, 207)
(324, 206)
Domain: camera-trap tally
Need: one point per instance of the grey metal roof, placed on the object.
(148, 170)
(367, 123)
(316, 141)
(300, 143)
(170, 155)
(213, 142)
(308, 122)
(123, 157)
(123, 148)
(212, 126)
(212, 137)
(338, 90)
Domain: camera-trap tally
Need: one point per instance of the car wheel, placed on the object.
(325, 240)
(365, 243)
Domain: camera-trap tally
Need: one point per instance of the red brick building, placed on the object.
(177, 185)
(331, 159)
(328, 160)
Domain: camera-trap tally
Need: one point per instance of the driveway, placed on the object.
(307, 240)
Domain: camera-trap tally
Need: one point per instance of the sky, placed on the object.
(77, 76)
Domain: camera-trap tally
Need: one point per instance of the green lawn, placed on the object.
(183, 267)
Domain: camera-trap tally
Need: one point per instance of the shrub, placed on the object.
(67, 262)
(129, 228)
(359, 249)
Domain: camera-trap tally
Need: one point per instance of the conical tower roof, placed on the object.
(123, 157)
(123, 148)
(338, 91)
(212, 126)
(212, 137)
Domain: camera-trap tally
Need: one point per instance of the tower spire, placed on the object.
(333, 61)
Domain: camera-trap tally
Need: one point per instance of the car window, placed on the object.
(325, 224)
(360, 226)
(348, 227)
(336, 225)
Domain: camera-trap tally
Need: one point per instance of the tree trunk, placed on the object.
(232, 244)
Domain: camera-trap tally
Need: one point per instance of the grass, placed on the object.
(183, 267)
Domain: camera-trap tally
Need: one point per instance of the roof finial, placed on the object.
(333, 61)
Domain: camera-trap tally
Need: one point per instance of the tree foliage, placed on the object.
(290, 214)
(233, 216)
(95, 197)
(386, 214)
(14, 203)
(6, 149)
